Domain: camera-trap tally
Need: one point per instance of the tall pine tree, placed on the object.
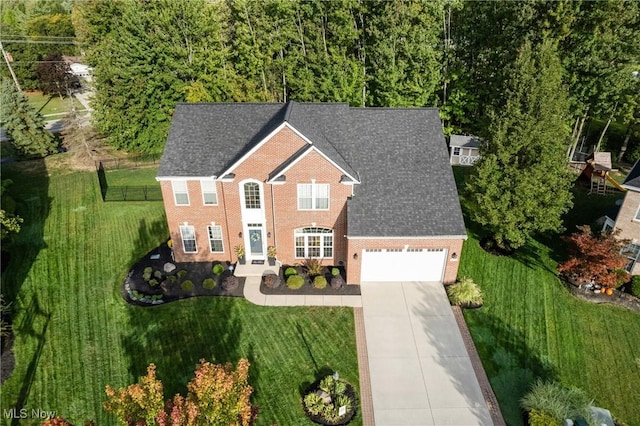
(23, 124)
(521, 185)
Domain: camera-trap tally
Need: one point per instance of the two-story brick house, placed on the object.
(368, 188)
(628, 219)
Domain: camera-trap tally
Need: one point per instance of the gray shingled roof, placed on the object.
(464, 141)
(407, 185)
(633, 179)
(399, 156)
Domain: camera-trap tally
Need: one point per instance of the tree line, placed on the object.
(451, 54)
(455, 55)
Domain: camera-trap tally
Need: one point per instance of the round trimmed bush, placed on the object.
(187, 285)
(290, 271)
(181, 273)
(335, 272)
(320, 282)
(294, 282)
(218, 269)
(208, 283)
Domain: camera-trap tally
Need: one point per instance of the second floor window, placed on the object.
(251, 195)
(180, 192)
(209, 194)
(313, 196)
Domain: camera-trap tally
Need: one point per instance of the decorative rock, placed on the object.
(155, 256)
(169, 267)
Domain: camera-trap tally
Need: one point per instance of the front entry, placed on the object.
(255, 234)
(253, 219)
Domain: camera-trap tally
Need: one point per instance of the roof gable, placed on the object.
(398, 156)
(632, 181)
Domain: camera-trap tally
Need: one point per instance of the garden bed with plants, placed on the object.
(330, 401)
(156, 279)
(309, 278)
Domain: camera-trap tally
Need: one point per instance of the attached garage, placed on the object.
(413, 264)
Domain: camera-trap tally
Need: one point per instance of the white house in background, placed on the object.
(464, 150)
(81, 70)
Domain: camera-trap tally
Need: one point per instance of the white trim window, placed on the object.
(251, 195)
(313, 196)
(180, 192)
(313, 242)
(209, 193)
(215, 238)
(631, 252)
(188, 235)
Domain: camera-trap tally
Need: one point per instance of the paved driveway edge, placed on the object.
(366, 400)
(483, 380)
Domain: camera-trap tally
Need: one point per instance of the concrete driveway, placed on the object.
(420, 370)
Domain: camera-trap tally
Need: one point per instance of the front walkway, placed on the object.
(421, 373)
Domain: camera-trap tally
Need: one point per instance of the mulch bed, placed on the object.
(7, 360)
(618, 297)
(196, 272)
(308, 289)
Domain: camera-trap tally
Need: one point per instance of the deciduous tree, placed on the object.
(595, 256)
(54, 76)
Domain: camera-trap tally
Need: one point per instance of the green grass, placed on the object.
(530, 326)
(133, 177)
(75, 334)
(48, 105)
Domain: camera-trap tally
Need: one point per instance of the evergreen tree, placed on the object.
(23, 124)
(521, 186)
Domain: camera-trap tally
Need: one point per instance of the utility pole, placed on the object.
(5, 55)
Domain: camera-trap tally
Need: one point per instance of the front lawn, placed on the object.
(75, 334)
(530, 326)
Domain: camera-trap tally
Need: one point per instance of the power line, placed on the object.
(43, 42)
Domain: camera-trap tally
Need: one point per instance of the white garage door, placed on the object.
(403, 265)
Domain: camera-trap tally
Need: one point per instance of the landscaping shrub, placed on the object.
(153, 282)
(172, 278)
(635, 285)
(158, 274)
(218, 269)
(146, 273)
(335, 272)
(230, 282)
(290, 271)
(187, 285)
(208, 283)
(294, 282)
(537, 418)
(271, 280)
(181, 273)
(319, 282)
(313, 266)
(323, 400)
(337, 281)
(465, 293)
(557, 402)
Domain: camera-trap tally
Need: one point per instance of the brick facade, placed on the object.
(281, 214)
(626, 222)
(357, 246)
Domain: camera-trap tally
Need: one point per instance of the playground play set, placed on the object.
(596, 172)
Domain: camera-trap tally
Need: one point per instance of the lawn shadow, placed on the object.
(45, 104)
(34, 323)
(30, 193)
(509, 362)
(176, 336)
